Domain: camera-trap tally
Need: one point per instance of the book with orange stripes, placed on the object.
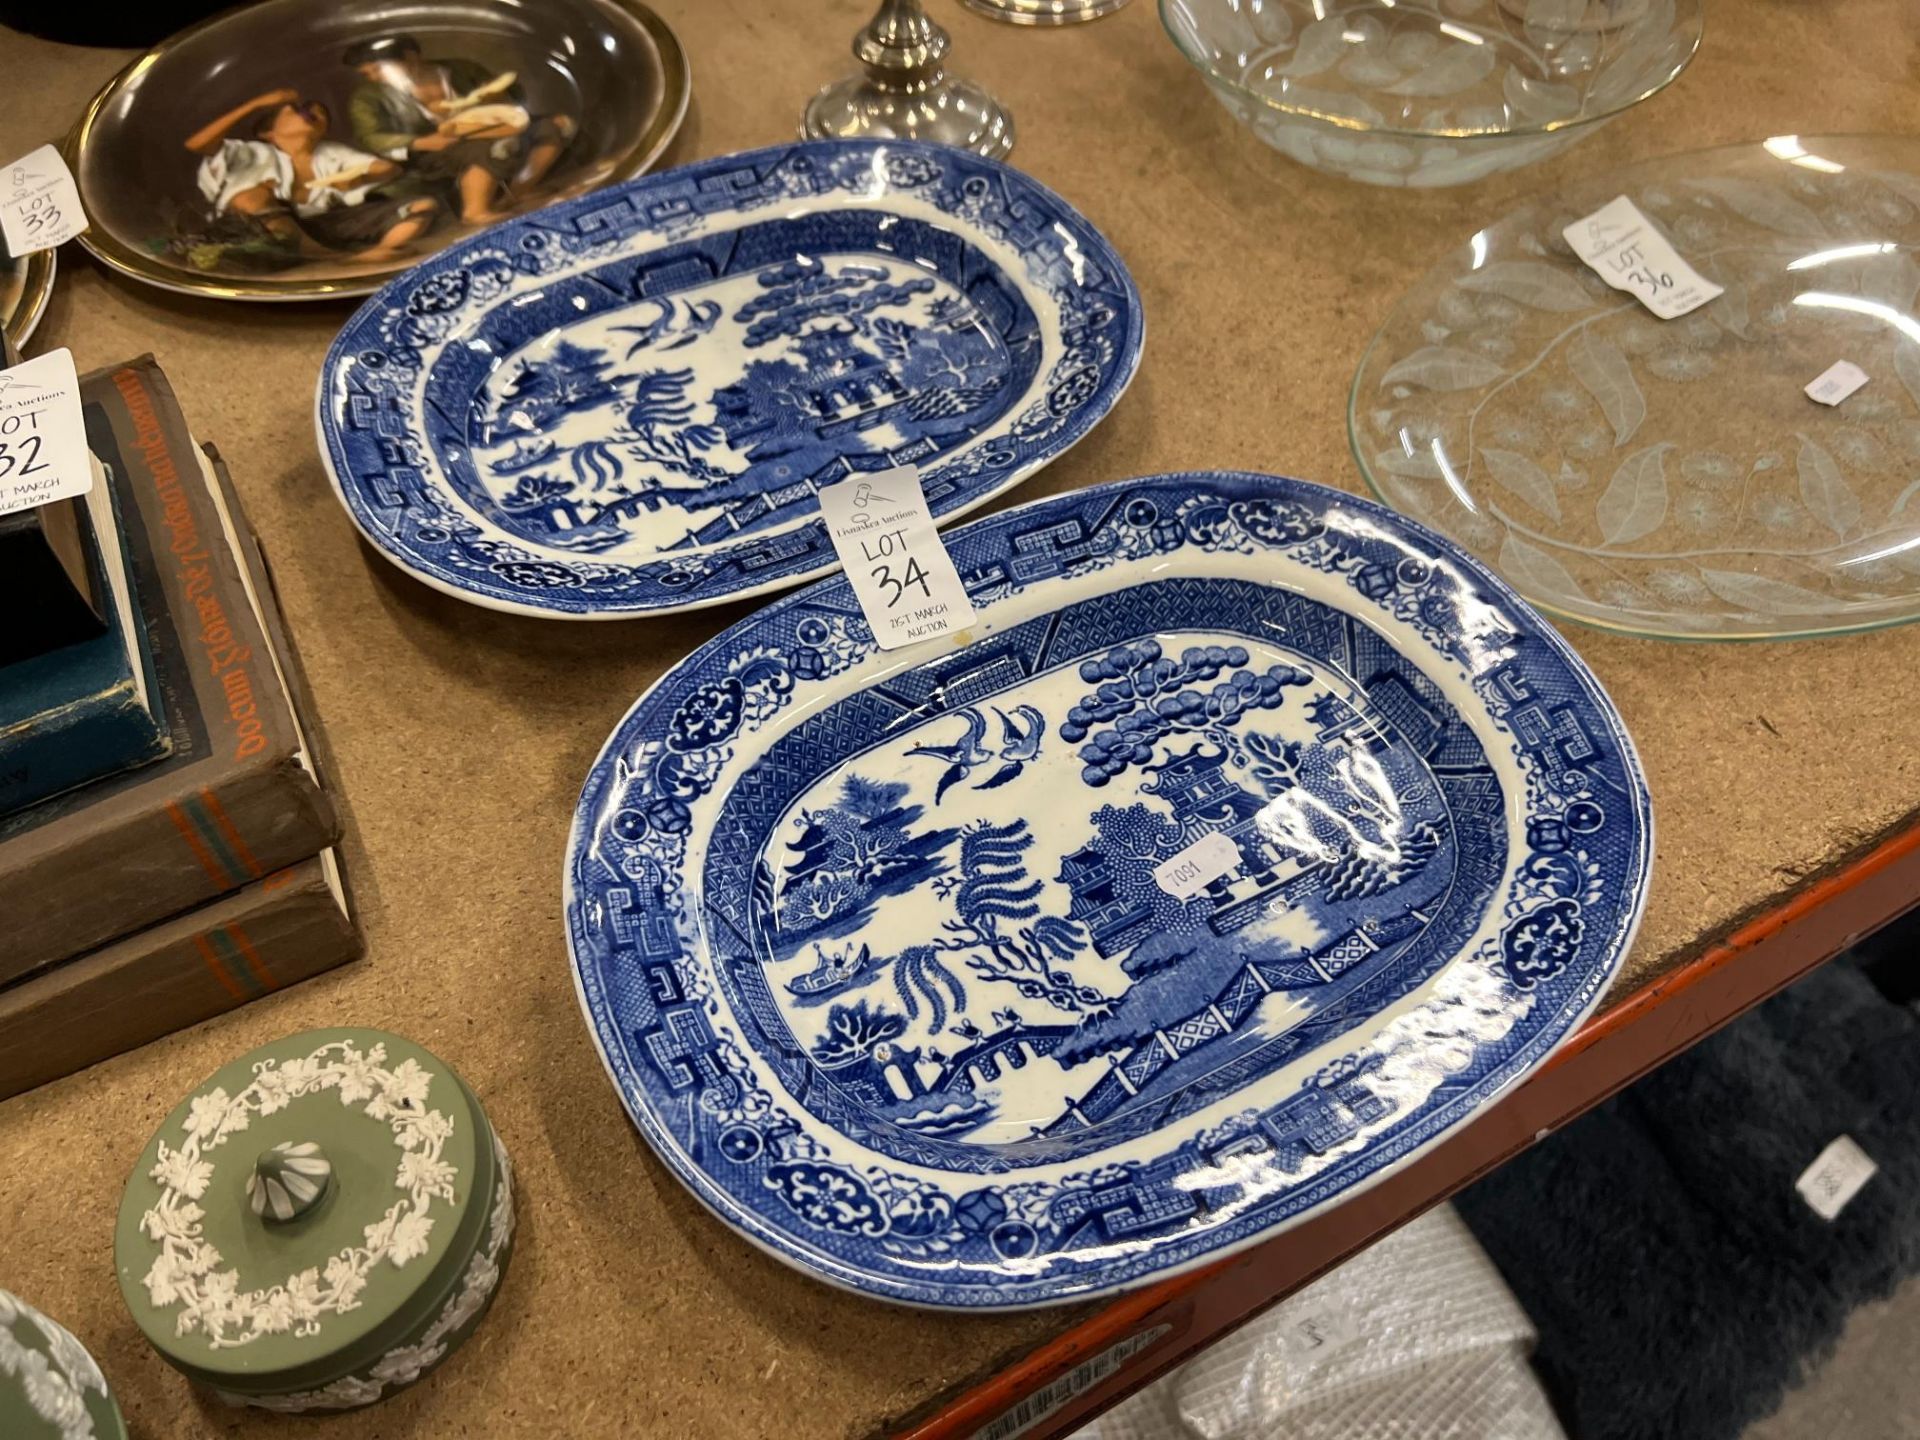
(286, 927)
(240, 797)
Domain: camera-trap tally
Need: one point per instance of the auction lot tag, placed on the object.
(1835, 1177)
(901, 573)
(43, 439)
(1626, 250)
(39, 203)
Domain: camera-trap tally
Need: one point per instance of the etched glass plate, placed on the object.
(1671, 477)
(876, 945)
(627, 404)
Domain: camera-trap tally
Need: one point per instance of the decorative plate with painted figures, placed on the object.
(26, 284)
(627, 404)
(1672, 477)
(1251, 839)
(300, 149)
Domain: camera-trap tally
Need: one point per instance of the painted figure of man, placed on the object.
(318, 197)
(455, 123)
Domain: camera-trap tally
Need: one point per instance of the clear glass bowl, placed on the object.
(1431, 92)
(1672, 477)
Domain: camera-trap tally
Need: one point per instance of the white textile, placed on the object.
(239, 165)
(1416, 1338)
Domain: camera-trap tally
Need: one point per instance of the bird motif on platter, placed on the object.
(700, 318)
(1019, 743)
(701, 315)
(961, 756)
(653, 330)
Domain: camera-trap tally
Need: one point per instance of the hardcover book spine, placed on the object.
(240, 797)
(187, 847)
(288, 927)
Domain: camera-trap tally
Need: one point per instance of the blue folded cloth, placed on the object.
(1679, 1281)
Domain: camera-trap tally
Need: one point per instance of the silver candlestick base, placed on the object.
(1044, 12)
(906, 93)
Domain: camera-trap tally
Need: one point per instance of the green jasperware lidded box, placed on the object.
(318, 1224)
(50, 1389)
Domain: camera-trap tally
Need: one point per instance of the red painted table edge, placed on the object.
(1614, 1047)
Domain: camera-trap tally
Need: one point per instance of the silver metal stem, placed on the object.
(1044, 12)
(905, 92)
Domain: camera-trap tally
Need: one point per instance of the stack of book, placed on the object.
(201, 873)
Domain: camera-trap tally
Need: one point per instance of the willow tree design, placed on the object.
(1000, 930)
(998, 933)
(819, 362)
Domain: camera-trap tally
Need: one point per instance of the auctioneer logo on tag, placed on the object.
(43, 436)
(901, 572)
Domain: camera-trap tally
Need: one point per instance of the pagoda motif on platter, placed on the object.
(1204, 800)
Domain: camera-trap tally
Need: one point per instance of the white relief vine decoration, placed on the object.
(407, 1363)
(55, 1383)
(187, 1274)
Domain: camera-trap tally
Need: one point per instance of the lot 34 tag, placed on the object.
(901, 572)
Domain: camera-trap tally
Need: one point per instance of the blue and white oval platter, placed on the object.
(872, 941)
(626, 403)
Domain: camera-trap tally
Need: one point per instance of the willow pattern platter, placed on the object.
(628, 403)
(873, 947)
(1671, 477)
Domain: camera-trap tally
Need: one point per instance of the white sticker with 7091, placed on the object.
(1212, 857)
(901, 573)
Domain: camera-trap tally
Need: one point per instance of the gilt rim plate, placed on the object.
(1672, 478)
(626, 404)
(872, 944)
(190, 161)
(26, 285)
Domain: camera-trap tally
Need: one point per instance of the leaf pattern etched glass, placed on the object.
(1430, 92)
(1672, 477)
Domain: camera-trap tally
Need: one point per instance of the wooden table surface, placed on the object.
(462, 735)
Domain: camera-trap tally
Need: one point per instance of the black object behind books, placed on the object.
(112, 22)
(46, 580)
(72, 713)
(1678, 1279)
